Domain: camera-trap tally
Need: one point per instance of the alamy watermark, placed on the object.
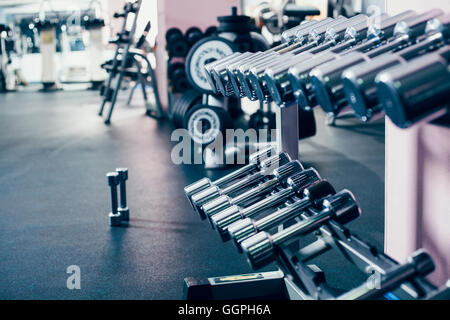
(228, 149)
(74, 280)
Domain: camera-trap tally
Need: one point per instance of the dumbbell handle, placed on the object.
(255, 161)
(123, 194)
(302, 227)
(420, 264)
(254, 192)
(288, 212)
(112, 179)
(268, 202)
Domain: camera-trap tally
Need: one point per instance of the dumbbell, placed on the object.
(227, 73)
(176, 44)
(254, 84)
(295, 185)
(359, 82)
(299, 75)
(416, 91)
(123, 209)
(217, 71)
(177, 77)
(327, 79)
(231, 74)
(210, 66)
(278, 179)
(115, 219)
(213, 192)
(261, 248)
(254, 165)
(244, 229)
(333, 35)
(419, 264)
(337, 39)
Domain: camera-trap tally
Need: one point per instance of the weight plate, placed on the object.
(204, 123)
(173, 67)
(173, 32)
(178, 48)
(210, 31)
(193, 35)
(203, 52)
(188, 98)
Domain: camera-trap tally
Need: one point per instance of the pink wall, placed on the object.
(418, 181)
(183, 14)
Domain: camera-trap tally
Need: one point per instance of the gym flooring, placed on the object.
(54, 154)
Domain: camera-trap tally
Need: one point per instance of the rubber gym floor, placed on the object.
(54, 154)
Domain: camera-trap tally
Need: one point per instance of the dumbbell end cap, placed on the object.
(196, 187)
(288, 170)
(124, 213)
(344, 205)
(259, 250)
(391, 101)
(112, 178)
(261, 155)
(123, 173)
(422, 261)
(241, 230)
(304, 179)
(319, 190)
(115, 220)
(224, 219)
(275, 162)
(215, 206)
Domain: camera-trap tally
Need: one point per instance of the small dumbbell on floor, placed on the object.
(115, 218)
(123, 209)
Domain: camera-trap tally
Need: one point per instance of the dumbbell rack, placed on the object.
(297, 279)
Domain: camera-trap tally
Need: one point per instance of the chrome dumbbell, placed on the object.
(254, 165)
(260, 249)
(337, 39)
(359, 82)
(213, 192)
(236, 72)
(244, 229)
(417, 91)
(327, 79)
(277, 179)
(295, 185)
(316, 35)
(219, 75)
